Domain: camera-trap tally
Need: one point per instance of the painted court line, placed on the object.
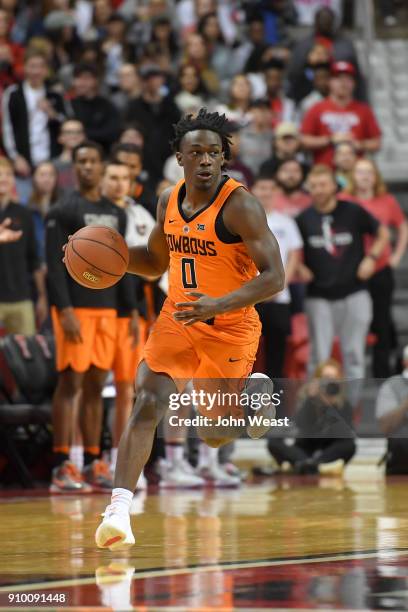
(155, 573)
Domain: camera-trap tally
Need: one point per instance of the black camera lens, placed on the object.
(332, 388)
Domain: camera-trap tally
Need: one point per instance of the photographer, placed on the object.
(325, 440)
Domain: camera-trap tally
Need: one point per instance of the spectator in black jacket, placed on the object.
(84, 324)
(157, 113)
(32, 115)
(19, 262)
(97, 114)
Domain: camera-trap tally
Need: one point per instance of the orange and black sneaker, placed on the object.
(98, 475)
(66, 478)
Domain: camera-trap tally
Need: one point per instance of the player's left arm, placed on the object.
(244, 217)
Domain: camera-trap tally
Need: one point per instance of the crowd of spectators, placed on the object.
(120, 73)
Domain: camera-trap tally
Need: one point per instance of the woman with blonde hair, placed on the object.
(325, 436)
(43, 196)
(368, 189)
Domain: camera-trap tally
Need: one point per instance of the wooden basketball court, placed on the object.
(282, 543)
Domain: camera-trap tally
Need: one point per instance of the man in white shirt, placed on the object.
(275, 314)
(31, 119)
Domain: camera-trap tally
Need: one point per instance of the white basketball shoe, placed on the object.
(115, 531)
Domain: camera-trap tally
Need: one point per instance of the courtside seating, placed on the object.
(27, 382)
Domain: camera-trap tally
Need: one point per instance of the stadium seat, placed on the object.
(27, 381)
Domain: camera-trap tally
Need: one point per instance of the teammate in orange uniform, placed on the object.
(131, 329)
(222, 259)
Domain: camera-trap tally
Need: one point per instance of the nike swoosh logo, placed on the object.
(233, 360)
(171, 220)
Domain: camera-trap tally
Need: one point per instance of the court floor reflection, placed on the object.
(283, 543)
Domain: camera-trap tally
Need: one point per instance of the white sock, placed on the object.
(174, 453)
(121, 499)
(76, 455)
(208, 456)
(113, 458)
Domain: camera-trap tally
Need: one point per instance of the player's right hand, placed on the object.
(70, 325)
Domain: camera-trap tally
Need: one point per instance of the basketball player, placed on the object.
(223, 259)
(130, 338)
(84, 325)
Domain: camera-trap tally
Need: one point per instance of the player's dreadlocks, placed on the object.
(204, 121)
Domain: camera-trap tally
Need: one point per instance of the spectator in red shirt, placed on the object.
(369, 190)
(340, 117)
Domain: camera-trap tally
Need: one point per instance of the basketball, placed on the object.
(96, 257)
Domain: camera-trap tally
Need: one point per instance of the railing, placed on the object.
(364, 19)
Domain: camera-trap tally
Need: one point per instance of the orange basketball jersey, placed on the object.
(204, 256)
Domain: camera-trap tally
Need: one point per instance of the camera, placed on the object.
(330, 387)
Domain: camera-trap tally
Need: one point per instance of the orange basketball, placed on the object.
(96, 256)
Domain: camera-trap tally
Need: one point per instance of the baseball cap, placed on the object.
(343, 68)
(286, 129)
